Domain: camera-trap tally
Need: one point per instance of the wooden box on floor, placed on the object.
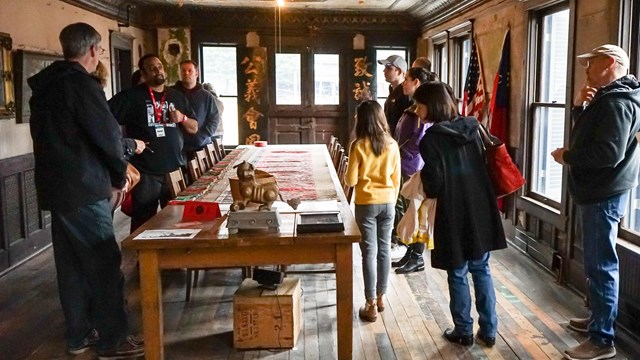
(267, 319)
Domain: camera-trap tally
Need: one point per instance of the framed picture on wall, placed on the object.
(27, 64)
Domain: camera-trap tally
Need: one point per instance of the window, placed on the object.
(288, 79)
(326, 79)
(548, 108)
(440, 56)
(218, 67)
(460, 36)
(382, 90)
(630, 30)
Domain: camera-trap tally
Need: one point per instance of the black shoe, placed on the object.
(488, 341)
(405, 259)
(452, 336)
(90, 340)
(414, 264)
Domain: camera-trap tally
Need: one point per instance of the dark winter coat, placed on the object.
(207, 114)
(603, 155)
(77, 143)
(467, 222)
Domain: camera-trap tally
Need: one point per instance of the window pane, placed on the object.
(555, 49)
(441, 53)
(548, 135)
(631, 221)
(288, 90)
(326, 76)
(382, 91)
(219, 69)
(230, 120)
(465, 55)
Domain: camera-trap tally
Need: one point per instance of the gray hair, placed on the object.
(76, 39)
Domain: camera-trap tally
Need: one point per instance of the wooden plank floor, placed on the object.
(532, 312)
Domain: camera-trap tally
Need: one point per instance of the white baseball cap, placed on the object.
(613, 51)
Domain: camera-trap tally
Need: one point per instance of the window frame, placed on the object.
(629, 30)
(222, 96)
(534, 84)
(457, 37)
(380, 75)
(440, 63)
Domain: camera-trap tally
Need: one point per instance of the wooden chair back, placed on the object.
(176, 181)
(203, 161)
(342, 168)
(194, 170)
(219, 148)
(211, 154)
(332, 143)
(338, 157)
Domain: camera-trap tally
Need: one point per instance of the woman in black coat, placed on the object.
(467, 222)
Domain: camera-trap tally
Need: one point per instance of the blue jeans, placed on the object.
(90, 282)
(460, 302)
(599, 234)
(375, 223)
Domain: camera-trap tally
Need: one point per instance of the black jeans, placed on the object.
(90, 282)
(150, 190)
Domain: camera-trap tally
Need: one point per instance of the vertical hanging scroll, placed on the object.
(252, 100)
(362, 81)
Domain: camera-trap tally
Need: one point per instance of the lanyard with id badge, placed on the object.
(157, 110)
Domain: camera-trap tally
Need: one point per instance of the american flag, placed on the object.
(473, 98)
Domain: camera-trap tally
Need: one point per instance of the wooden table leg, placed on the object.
(151, 298)
(344, 299)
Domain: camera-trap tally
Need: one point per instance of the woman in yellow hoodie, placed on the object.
(374, 171)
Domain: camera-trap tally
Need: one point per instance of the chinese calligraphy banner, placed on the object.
(362, 81)
(253, 99)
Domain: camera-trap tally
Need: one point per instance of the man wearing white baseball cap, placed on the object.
(395, 68)
(603, 162)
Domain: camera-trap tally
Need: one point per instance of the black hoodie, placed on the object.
(603, 149)
(76, 141)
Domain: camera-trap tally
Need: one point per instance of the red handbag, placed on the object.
(504, 174)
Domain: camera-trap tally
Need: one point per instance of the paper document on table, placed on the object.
(167, 234)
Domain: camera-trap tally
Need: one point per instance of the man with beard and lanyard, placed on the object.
(158, 115)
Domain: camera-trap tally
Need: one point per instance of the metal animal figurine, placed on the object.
(252, 191)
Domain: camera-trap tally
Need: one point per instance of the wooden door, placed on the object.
(308, 97)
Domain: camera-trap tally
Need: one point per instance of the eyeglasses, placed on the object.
(99, 49)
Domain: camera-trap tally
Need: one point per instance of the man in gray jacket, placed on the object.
(603, 162)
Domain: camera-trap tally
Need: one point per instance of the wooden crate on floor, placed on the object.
(267, 319)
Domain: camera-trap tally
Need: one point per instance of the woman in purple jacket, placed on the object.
(409, 132)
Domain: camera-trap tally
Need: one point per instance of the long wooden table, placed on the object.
(213, 246)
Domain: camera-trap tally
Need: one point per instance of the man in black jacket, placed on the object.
(395, 69)
(603, 162)
(79, 158)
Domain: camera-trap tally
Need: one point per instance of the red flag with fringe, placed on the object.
(499, 109)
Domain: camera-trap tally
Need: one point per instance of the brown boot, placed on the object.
(368, 311)
(380, 302)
